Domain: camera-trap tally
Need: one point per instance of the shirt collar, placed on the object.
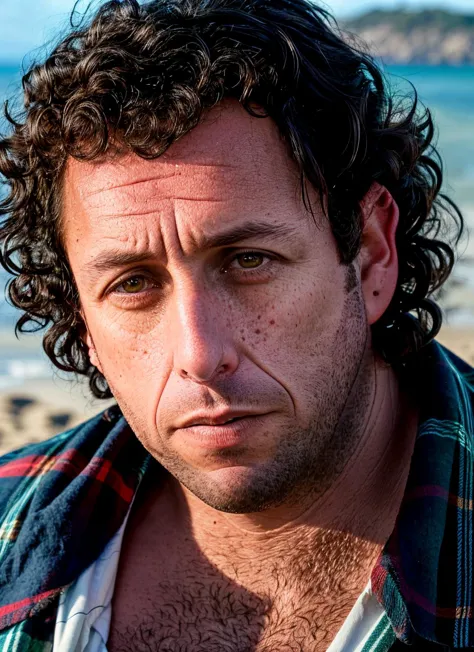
(424, 577)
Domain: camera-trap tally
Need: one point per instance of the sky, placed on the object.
(27, 24)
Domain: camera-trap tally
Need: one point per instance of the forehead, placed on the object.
(228, 151)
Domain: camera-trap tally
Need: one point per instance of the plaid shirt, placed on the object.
(62, 500)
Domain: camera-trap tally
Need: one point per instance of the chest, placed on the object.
(206, 612)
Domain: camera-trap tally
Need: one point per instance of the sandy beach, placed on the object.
(40, 409)
(460, 341)
(37, 410)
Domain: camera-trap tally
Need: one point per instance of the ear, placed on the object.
(89, 342)
(378, 260)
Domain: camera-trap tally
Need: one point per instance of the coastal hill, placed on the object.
(423, 37)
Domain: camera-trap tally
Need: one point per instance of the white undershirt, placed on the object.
(85, 609)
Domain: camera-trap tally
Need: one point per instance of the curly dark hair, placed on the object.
(140, 76)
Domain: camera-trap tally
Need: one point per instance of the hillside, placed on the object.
(424, 37)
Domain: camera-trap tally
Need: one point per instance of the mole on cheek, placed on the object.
(272, 321)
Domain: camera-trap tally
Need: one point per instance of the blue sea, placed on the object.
(447, 91)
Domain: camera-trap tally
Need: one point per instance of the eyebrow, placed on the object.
(114, 258)
(247, 231)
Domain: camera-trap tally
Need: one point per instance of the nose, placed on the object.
(203, 345)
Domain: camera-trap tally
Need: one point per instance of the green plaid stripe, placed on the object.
(16, 639)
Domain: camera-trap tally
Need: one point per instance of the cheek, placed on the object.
(292, 325)
(136, 364)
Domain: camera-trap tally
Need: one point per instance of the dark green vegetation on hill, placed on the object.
(406, 20)
(431, 36)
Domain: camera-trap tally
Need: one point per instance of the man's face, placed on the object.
(210, 292)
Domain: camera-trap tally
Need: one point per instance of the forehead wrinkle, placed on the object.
(152, 202)
(154, 211)
(126, 184)
(171, 171)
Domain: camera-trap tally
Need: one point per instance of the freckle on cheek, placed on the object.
(258, 331)
(272, 321)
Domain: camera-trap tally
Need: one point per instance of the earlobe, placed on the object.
(92, 352)
(89, 342)
(378, 258)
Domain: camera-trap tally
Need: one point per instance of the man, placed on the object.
(228, 226)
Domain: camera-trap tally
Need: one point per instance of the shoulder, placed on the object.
(66, 453)
(61, 501)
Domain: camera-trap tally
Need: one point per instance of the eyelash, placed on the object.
(254, 273)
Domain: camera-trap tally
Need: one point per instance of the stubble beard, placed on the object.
(307, 460)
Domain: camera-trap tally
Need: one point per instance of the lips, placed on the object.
(213, 433)
(216, 419)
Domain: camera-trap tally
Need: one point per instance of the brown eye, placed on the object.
(132, 285)
(250, 260)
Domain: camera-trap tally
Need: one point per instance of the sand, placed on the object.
(40, 409)
(460, 341)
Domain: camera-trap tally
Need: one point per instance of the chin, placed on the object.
(237, 490)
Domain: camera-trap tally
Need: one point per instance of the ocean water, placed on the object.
(447, 91)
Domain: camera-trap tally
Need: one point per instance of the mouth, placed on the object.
(222, 433)
(216, 423)
(221, 419)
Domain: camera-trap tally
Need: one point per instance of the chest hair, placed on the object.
(215, 617)
(197, 608)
